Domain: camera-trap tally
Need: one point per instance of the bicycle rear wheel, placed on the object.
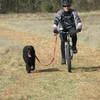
(68, 57)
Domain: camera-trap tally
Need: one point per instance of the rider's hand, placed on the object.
(78, 30)
(55, 32)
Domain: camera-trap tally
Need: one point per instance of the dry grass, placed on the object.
(47, 82)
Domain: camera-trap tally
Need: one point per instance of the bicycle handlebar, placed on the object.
(62, 32)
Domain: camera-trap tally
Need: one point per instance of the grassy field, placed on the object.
(48, 82)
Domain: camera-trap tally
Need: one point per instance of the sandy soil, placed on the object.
(16, 31)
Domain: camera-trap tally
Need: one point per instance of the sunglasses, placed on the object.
(67, 6)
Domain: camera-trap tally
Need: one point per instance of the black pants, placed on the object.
(63, 38)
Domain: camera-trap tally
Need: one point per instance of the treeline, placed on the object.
(19, 6)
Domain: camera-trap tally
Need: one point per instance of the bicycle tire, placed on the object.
(68, 57)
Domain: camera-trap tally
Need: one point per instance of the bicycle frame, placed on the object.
(68, 51)
(69, 42)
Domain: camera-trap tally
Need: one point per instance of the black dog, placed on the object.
(29, 58)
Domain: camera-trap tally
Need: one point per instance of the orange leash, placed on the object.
(54, 54)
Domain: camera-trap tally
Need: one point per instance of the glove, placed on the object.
(55, 31)
(78, 30)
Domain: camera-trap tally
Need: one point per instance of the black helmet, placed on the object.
(66, 3)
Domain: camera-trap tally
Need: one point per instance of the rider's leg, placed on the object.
(63, 37)
(63, 52)
(74, 43)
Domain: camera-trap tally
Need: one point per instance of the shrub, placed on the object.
(46, 7)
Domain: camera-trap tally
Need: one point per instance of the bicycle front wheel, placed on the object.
(68, 57)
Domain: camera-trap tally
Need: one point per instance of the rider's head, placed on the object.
(66, 4)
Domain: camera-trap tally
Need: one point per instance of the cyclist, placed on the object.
(67, 20)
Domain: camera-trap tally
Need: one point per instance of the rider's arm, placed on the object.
(78, 22)
(57, 20)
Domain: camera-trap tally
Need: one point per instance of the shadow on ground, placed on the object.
(49, 70)
(87, 69)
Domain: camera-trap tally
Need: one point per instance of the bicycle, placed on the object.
(68, 51)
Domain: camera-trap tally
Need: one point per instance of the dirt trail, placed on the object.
(16, 27)
(85, 54)
(47, 82)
